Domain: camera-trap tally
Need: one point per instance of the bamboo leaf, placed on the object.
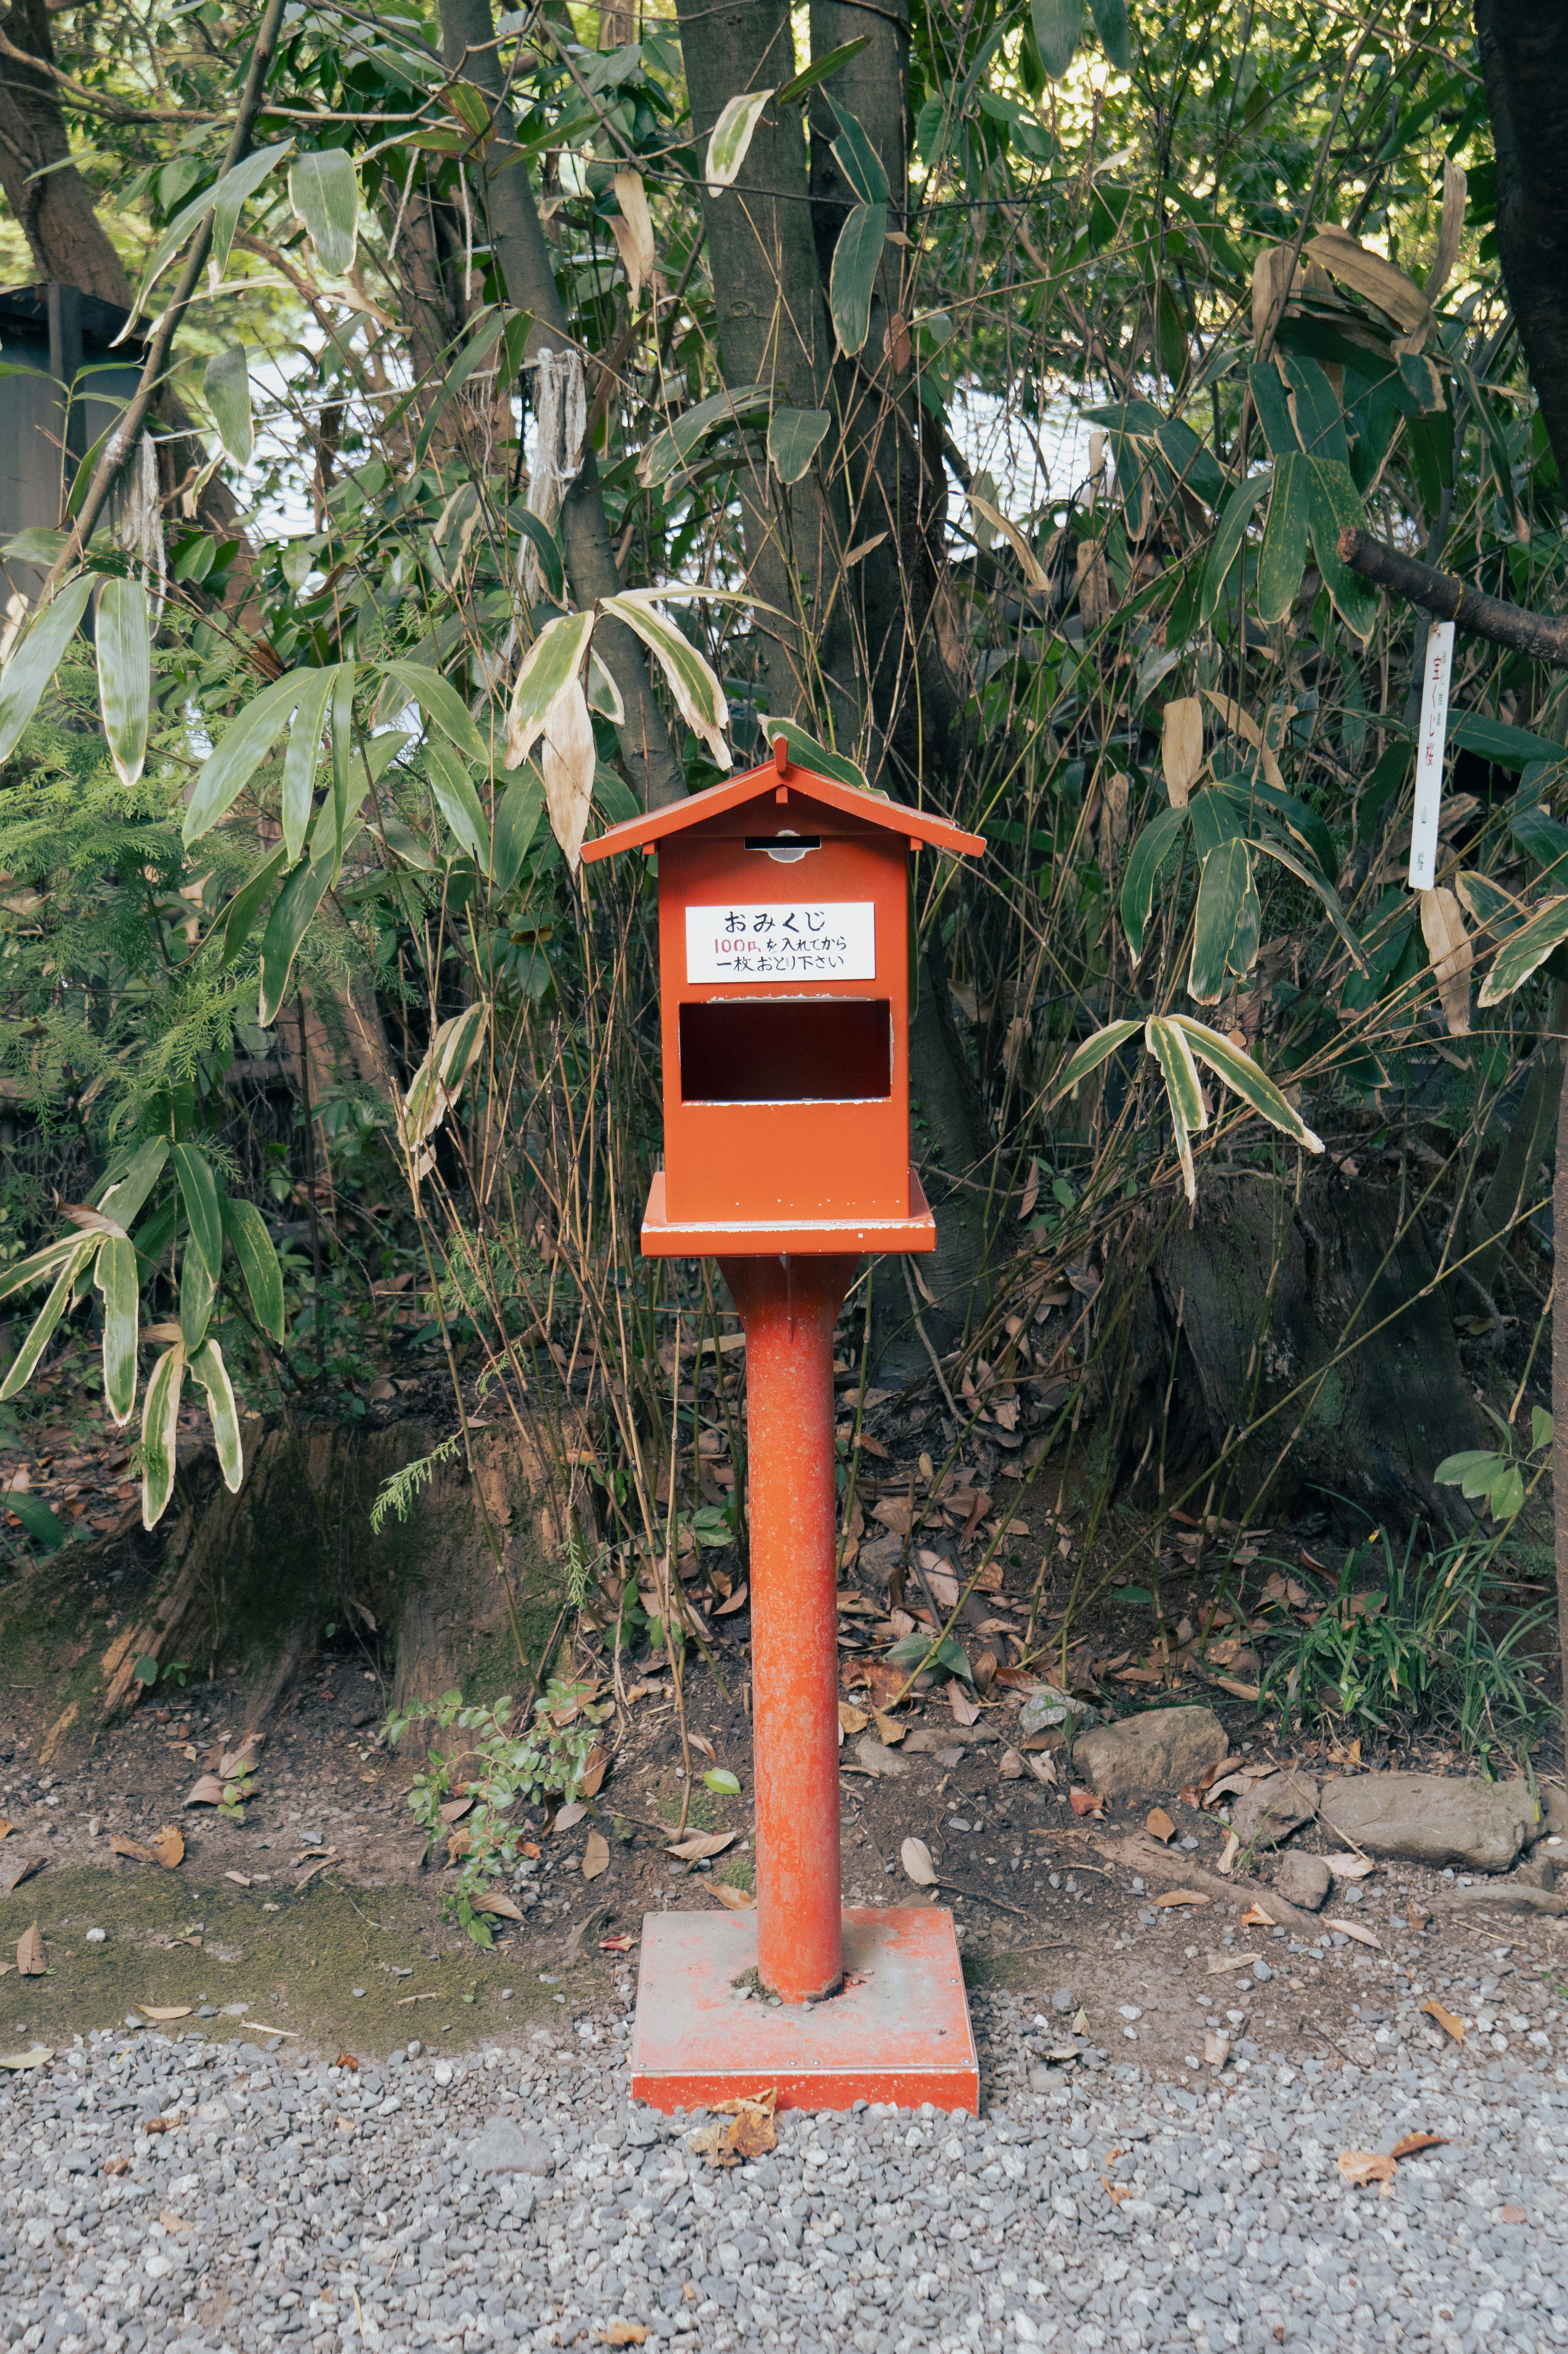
(1334, 506)
(1092, 1053)
(223, 199)
(323, 193)
(1112, 25)
(1183, 1091)
(567, 764)
(300, 762)
(123, 1199)
(197, 1291)
(857, 257)
(115, 1276)
(1223, 886)
(554, 661)
(1239, 510)
(1518, 958)
(696, 690)
(856, 158)
(245, 906)
(199, 1194)
(38, 657)
(731, 137)
(207, 1367)
(794, 437)
(1058, 26)
(1283, 555)
(1245, 1078)
(26, 1360)
(124, 673)
(341, 725)
(227, 385)
(440, 701)
(458, 801)
(672, 446)
(437, 1083)
(1273, 845)
(634, 229)
(38, 1266)
(228, 770)
(1035, 576)
(246, 1229)
(516, 822)
(296, 903)
(1150, 855)
(819, 69)
(160, 1430)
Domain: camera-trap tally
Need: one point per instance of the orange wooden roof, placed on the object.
(895, 817)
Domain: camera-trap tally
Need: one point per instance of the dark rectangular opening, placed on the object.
(787, 1050)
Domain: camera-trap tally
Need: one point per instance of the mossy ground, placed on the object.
(293, 1969)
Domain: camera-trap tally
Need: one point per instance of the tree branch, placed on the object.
(1543, 636)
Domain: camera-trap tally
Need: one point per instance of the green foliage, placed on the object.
(1415, 1640)
(1499, 1475)
(396, 1496)
(503, 1766)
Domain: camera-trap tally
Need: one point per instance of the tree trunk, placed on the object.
(653, 762)
(55, 211)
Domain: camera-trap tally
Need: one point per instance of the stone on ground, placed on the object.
(1303, 1880)
(1458, 1822)
(1149, 1755)
(1273, 1808)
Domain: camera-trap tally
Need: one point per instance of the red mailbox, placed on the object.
(784, 985)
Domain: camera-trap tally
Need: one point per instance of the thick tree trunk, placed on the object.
(654, 765)
(55, 212)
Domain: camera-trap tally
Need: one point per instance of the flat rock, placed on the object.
(1435, 1818)
(1147, 1755)
(877, 1758)
(1552, 1821)
(1273, 1808)
(502, 2147)
(1303, 1880)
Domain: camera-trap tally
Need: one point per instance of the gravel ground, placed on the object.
(284, 2198)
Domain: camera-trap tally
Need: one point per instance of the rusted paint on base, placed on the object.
(899, 2031)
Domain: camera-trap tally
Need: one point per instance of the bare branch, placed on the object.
(1542, 635)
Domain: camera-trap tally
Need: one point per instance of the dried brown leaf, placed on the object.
(1360, 2166)
(1084, 1802)
(1181, 1896)
(1452, 954)
(207, 1791)
(696, 1845)
(1349, 1867)
(30, 1962)
(1445, 2019)
(166, 2010)
(852, 1719)
(1410, 2145)
(1159, 1825)
(1216, 2048)
(964, 1709)
(1354, 1929)
(734, 1900)
(452, 1812)
(168, 1846)
(346, 2060)
(494, 1901)
(1181, 748)
(916, 1858)
(595, 1855)
(622, 2333)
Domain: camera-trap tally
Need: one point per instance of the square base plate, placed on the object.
(899, 2033)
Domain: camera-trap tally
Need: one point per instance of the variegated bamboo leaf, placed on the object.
(115, 1276)
(1093, 1053)
(159, 1428)
(1183, 1090)
(124, 674)
(731, 136)
(1244, 1077)
(554, 662)
(208, 1368)
(697, 692)
(1530, 945)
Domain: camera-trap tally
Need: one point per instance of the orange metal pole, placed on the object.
(789, 1308)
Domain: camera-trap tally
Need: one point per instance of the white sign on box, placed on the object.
(829, 940)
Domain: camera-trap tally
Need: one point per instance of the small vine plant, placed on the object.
(482, 1767)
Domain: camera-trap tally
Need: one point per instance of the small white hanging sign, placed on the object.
(1429, 749)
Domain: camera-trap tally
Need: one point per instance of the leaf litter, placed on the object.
(750, 2134)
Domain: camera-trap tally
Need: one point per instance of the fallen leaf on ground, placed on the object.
(1180, 1896)
(1011, 1765)
(495, 1903)
(698, 1844)
(1445, 2019)
(1228, 1853)
(739, 1900)
(1084, 1802)
(618, 1944)
(568, 1817)
(1043, 1768)
(120, 1845)
(110, 2165)
(1411, 2144)
(170, 2221)
(1353, 1929)
(311, 1871)
(240, 1879)
(1254, 1917)
(964, 1709)
(1219, 1962)
(157, 2010)
(1119, 2190)
(594, 1771)
(346, 2060)
(699, 1741)
(207, 1791)
(892, 1732)
(852, 1718)
(622, 2333)
(1360, 2167)
(4, 1827)
(1349, 1867)
(595, 1855)
(30, 1960)
(1216, 2048)
(1159, 1825)
(452, 1812)
(168, 1846)
(751, 2134)
(735, 1601)
(916, 1858)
